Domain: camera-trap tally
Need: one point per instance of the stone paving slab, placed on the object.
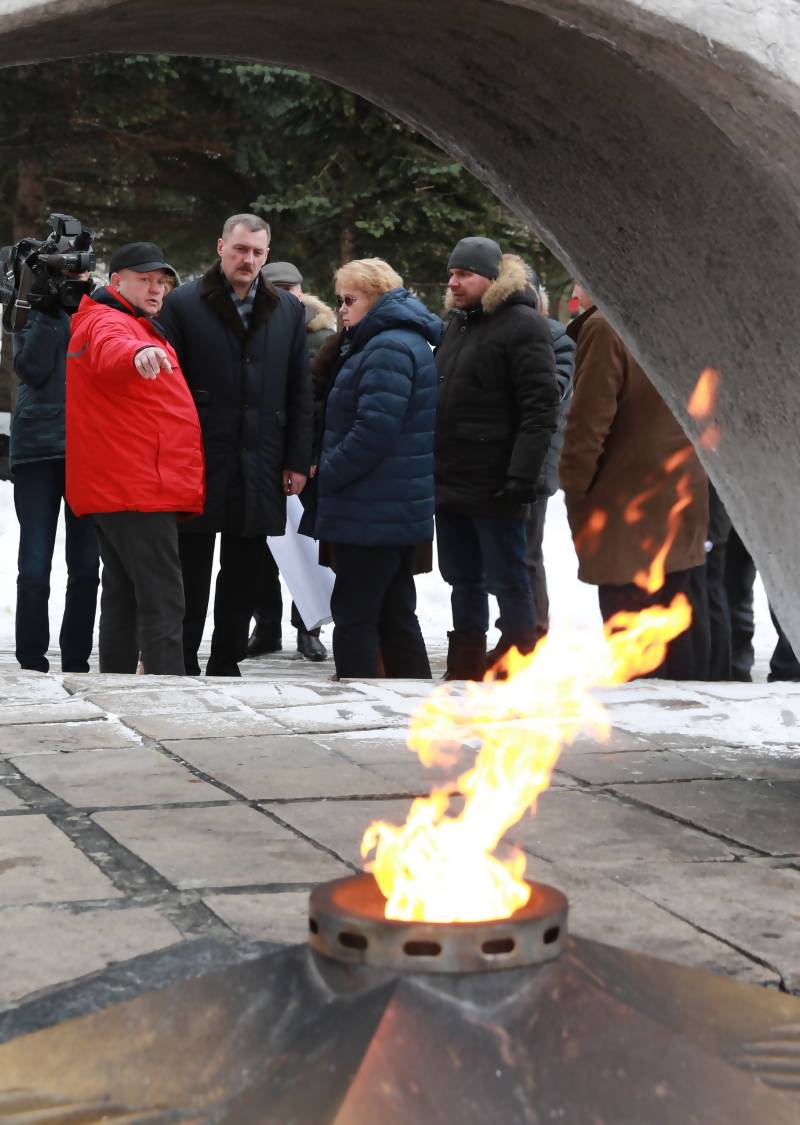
(209, 724)
(341, 716)
(618, 741)
(261, 695)
(607, 767)
(158, 701)
(281, 916)
(391, 758)
(744, 763)
(599, 831)
(339, 825)
(372, 747)
(227, 846)
(603, 909)
(94, 778)
(758, 814)
(271, 768)
(409, 777)
(71, 710)
(23, 688)
(747, 718)
(97, 734)
(43, 946)
(39, 863)
(9, 800)
(97, 682)
(763, 920)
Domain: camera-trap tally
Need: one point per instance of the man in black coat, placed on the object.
(242, 347)
(496, 413)
(266, 634)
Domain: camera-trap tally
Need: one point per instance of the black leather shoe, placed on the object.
(214, 668)
(310, 646)
(263, 641)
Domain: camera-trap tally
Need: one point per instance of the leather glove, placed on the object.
(517, 491)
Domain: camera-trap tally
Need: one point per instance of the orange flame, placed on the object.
(588, 535)
(704, 396)
(634, 511)
(710, 438)
(702, 402)
(441, 866)
(652, 578)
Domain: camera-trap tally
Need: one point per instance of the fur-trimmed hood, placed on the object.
(511, 282)
(319, 316)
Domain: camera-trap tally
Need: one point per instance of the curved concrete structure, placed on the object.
(655, 145)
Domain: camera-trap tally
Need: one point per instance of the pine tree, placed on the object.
(336, 176)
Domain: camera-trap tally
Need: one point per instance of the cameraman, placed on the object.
(37, 464)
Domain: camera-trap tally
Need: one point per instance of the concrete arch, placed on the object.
(654, 144)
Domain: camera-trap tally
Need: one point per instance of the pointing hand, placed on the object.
(149, 361)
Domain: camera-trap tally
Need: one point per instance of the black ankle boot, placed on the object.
(309, 644)
(264, 639)
(466, 655)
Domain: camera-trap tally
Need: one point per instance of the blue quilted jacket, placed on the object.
(376, 466)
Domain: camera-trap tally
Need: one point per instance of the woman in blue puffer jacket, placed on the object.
(375, 474)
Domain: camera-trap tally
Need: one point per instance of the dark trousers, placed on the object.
(240, 563)
(783, 664)
(535, 559)
(269, 600)
(740, 575)
(375, 627)
(700, 628)
(141, 607)
(719, 617)
(482, 555)
(687, 653)
(38, 492)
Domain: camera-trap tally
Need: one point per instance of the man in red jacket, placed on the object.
(134, 459)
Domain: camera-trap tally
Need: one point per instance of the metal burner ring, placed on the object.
(346, 923)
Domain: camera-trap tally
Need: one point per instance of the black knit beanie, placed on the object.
(478, 255)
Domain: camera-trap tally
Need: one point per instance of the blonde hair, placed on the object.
(372, 276)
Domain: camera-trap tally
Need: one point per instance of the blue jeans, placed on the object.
(38, 492)
(482, 555)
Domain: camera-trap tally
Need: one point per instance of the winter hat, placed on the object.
(282, 273)
(478, 255)
(140, 257)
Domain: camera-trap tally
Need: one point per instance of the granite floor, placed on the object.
(152, 828)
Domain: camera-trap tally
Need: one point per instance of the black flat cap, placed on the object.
(140, 257)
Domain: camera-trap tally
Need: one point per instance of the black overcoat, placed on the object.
(498, 398)
(253, 395)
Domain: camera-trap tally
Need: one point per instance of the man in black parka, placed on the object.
(242, 347)
(496, 412)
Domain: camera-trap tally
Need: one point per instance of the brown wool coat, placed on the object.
(620, 434)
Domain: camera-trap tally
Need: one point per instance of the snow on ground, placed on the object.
(572, 603)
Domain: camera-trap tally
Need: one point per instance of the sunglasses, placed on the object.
(347, 301)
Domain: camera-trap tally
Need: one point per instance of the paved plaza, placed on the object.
(153, 828)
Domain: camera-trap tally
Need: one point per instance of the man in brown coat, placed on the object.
(636, 493)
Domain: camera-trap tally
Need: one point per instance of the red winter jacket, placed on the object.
(133, 444)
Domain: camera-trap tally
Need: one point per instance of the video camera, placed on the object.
(33, 273)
